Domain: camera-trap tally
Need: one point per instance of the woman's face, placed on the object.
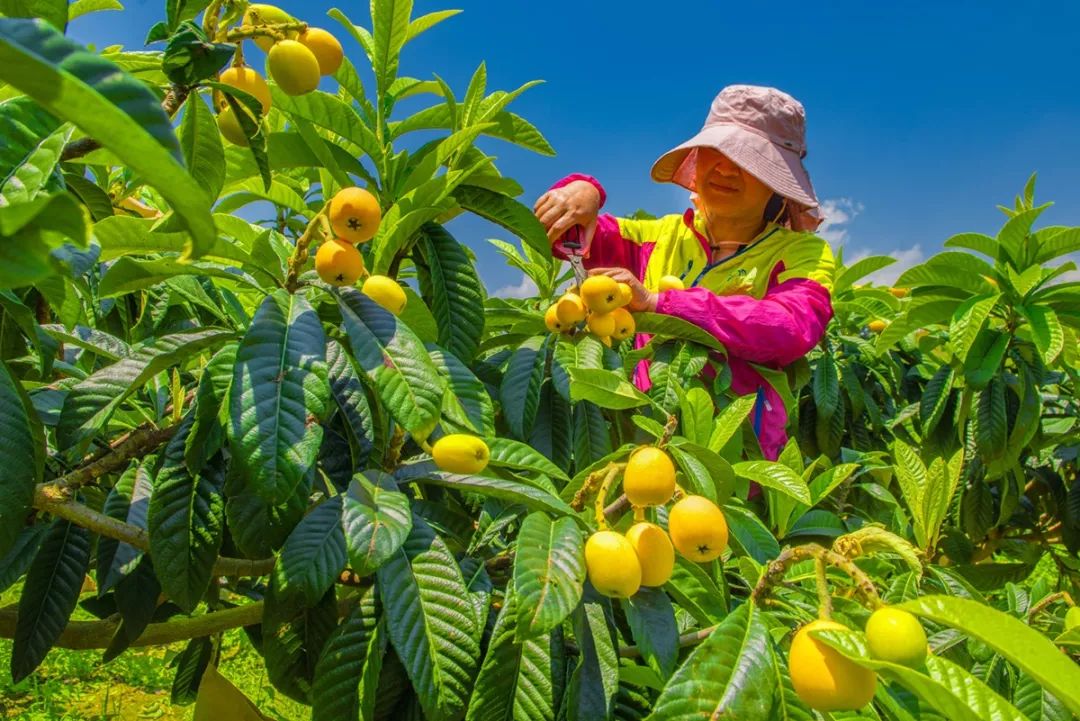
(726, 189)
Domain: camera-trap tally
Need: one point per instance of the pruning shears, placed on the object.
(572, 245)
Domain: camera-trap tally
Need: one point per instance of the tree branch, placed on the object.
(135, 444)
(56, 501)
(82, 635)
(174, 98)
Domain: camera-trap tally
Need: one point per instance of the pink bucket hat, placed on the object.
(763, 131)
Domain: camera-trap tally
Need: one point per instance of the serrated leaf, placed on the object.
(607, 389)
(592, 438)
(1036, 703)
(595, 679)
(129, 502)
(186, 524)
(518, 680)
(1046, 330)
(431, 621)
(452, 287)
(750, 535)
(775, 476)
(991, 423)
(293, 638)
(314, 554)
(696, 592)
(651, 618)
(211, 409)
(583, 351)
(21, 456)
(200, 141)
(405, 377)
(351, 653)
(729, 421)
(190, 665)
(331, 113)
(49, 595)
(279, 382)
(1019, 643)
(529, 496)
(514, 454)
(519, 391)
(110, 106)
(349, 395)
(826, 387)
(376, 520)
(466, 401)
(934, 398)
(507, 212)
(549, 573)
(89, 405)
(730, 674)
(966, 323)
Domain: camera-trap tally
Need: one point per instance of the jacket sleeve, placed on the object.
(776, 330)
(609, 248)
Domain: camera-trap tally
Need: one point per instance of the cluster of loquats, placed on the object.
(826, 680)
(618, 565)
(297, 56)
(600, 303)
(354, 216)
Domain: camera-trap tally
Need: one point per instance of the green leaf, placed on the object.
(110, 106)
(596, 677)
(991, 423)
(352, 652)
(518, 679)
(431, 622)
(186, 524)
(697, 416)
(190, 665)
(22, 454)
(607, 389)
(376, 521)
(1062, 242)
(130, 274)
(949, 269)
(17, 560)
(696, 592)
(860, 269)
(55, 11)
(349, 394)
(314, 554)
(1037, 704)
(466, 401)
(966, 323)
(279, 380)
(91, 402)
(729, 421)
(331, 113)
(592, 438)
(750, 535)
(390, 26)
(128, 502)
(124, 235)
(531, 497)
(293, 638)
(974, 241)
(200, 141)
(1013, 235)
(49, 595)
(35, 171)
(549, 574)
(934, 398)
(507, 212)
(826, 387)
(452, 288)
(652, 622)
(211, 409)
(1022, 645)
(583, 351)
(775, 476)
(985, 356)
(84, 7)
(668, 326)
(1045, 330)
(514, 454)
(730, 675)
(406, 379)
(519, 392)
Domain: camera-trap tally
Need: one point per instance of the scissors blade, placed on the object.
(572, 244)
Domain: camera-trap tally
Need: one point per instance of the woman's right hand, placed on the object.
(559, 209)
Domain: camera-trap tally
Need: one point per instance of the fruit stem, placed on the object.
(300, 254)
(1053, 597)
(824, 602)
(639, 514)
(274, 31)
(601, 496)
(669, 430)
(776, 570)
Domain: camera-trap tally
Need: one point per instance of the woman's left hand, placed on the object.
(642, 299)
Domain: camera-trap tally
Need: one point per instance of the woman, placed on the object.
(755, 275)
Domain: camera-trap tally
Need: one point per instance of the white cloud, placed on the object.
(525, 289)
(838, 213)
(905, 258)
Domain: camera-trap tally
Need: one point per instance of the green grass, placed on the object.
(77, 686)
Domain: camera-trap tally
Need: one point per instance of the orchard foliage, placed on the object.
(410, 495)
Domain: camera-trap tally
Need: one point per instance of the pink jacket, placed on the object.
(768, 304)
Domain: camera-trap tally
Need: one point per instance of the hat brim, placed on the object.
(780, 169)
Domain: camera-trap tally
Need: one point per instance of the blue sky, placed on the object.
(921, 116)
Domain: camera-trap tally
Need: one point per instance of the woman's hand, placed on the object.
(577, 203)
(641, 298)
